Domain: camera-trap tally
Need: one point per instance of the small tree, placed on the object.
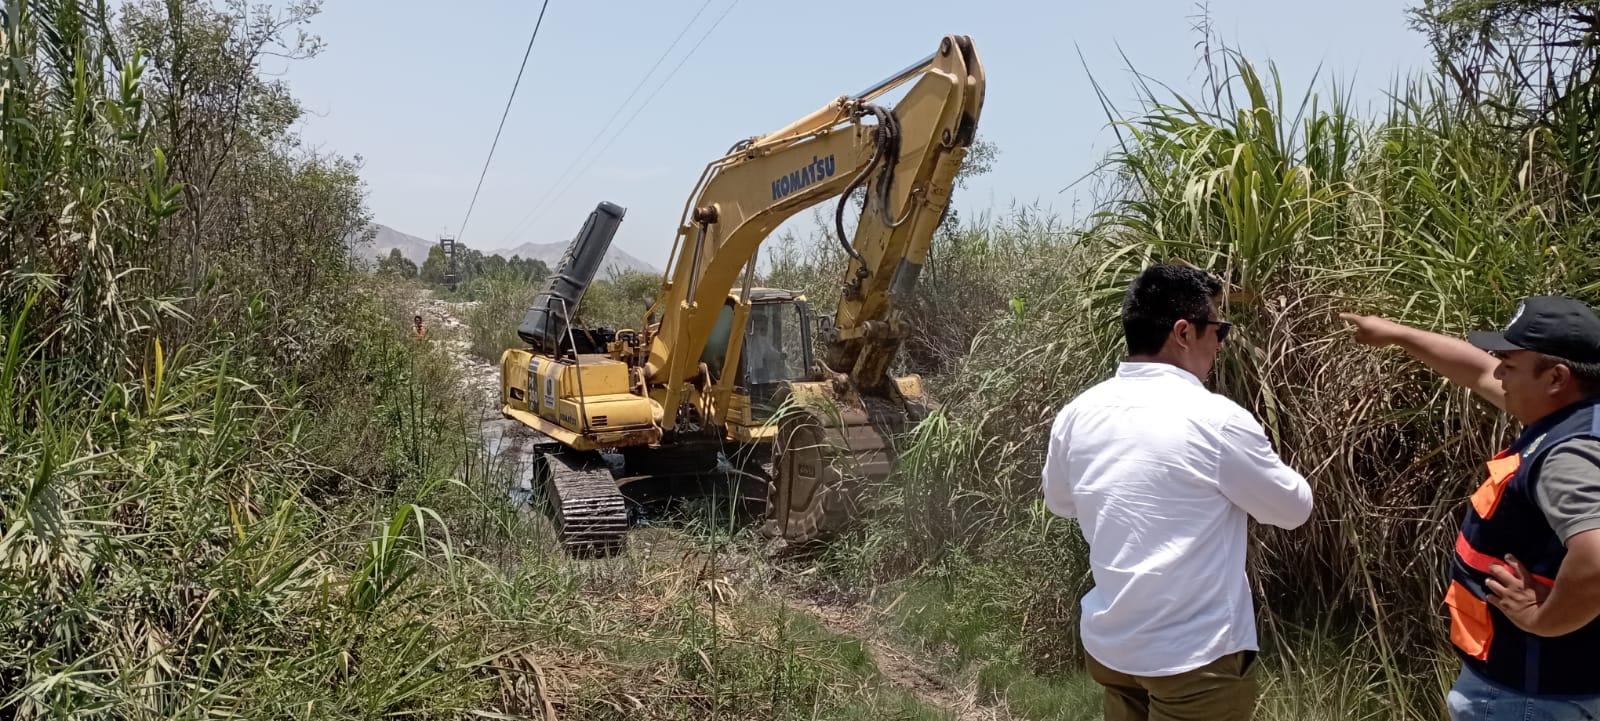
(397, 265)
(434, 268)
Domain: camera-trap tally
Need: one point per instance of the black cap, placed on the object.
(1553, 325)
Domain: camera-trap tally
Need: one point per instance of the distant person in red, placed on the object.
(416, 323)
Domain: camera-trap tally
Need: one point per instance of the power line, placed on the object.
(462, 230)
(568, 170)
(537, 210)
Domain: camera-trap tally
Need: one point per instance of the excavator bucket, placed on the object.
(830, 448)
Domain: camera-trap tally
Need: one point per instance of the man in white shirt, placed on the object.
(1160, 474)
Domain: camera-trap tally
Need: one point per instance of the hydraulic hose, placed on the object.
(886, 148)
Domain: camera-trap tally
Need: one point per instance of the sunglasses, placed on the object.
(1222, 327)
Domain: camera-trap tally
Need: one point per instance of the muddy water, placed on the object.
(506, 444)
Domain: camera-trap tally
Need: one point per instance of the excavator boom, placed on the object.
(906, 160)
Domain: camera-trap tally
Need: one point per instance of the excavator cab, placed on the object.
(777, 345)
(776, 349)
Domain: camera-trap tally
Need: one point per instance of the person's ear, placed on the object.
(1560, 378)
(1184, 331)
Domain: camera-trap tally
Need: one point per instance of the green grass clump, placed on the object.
(181, 543)
(1026, 695)
(501, 301)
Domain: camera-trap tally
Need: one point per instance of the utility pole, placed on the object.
(448, 245)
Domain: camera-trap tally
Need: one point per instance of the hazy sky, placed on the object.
(417, 88)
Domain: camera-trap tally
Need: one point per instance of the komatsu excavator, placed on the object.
(807, 405)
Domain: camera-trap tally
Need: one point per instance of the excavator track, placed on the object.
(587, 510)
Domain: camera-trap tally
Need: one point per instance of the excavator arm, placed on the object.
(906, 159)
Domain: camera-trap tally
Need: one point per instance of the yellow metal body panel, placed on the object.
(585, 442)
(606, 412)
(741, 424)
(763, 433)
(738, 410)
(553, 397)
(514, 379)
(910, 386)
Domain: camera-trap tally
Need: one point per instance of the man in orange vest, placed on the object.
(416, 324)
(1524, 594)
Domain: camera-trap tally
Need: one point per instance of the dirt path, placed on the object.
(507, 441)
(445, 321)
(899, 666)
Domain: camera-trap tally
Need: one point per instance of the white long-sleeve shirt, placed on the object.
(1160, 474)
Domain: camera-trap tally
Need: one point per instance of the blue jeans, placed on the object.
(1475, 698)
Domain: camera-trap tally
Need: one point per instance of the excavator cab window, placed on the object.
(777, 346)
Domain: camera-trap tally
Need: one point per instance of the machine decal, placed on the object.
(818, 170)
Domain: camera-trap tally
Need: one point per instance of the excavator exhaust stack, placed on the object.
(546, 323)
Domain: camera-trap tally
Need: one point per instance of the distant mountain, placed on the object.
(551, 253)
(416, 250)
(413, 248)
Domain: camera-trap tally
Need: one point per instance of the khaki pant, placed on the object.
(1223, 690)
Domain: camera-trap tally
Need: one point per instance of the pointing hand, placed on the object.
(1374, 331)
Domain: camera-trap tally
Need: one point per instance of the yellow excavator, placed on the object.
(807, 405)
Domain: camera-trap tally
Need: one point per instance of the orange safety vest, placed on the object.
(1505, 518)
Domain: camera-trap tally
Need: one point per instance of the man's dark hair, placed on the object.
(1586, 374)
(1161, 296)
